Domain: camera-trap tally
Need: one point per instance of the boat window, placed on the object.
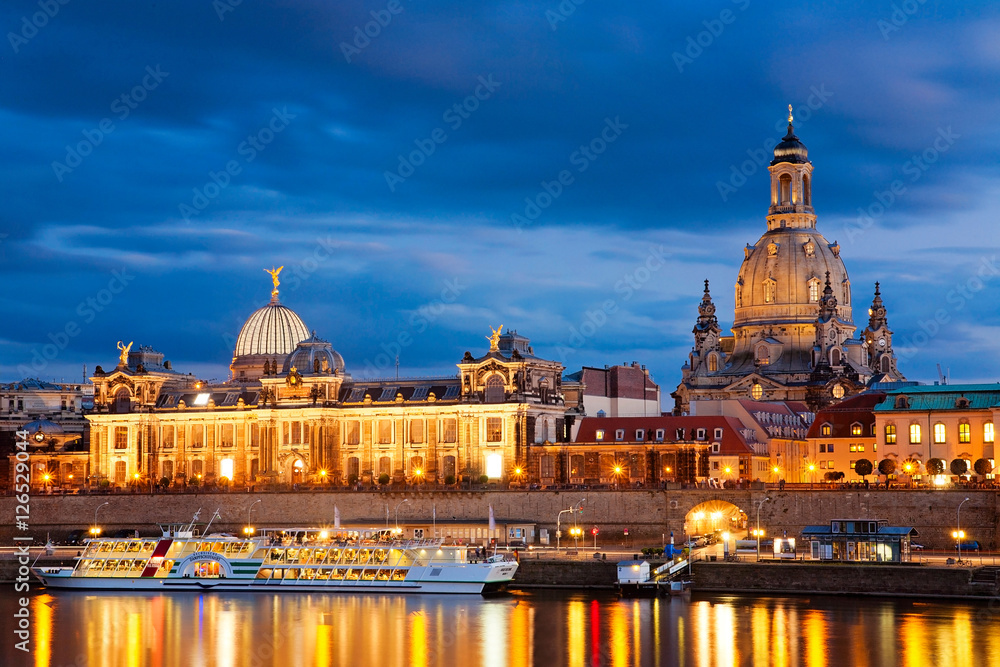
(319, 556)
(264, 573)
(291, 573)
(134, 547)
(120, 546)
(323, 573)
(398, 575)
(148, 546)
(260, 553)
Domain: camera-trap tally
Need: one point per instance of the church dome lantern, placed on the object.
(314, 356)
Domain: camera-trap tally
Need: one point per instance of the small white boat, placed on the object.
(281, 559)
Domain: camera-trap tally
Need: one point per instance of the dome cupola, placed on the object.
(314, 356)
(269, 334)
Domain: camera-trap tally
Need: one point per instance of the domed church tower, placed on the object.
(780, 301)
(268, 336)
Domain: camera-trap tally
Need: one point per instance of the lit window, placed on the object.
(939, 433)
(890, 434)
(713, 363)
(494, 466)
(852, 464)
(829, 464)
(226, 468)
(826, 429)
(855, 429)
(914, 434)
(769, 291)
(964, 433)
(814, 290)
(600, 434)
(757, 391)
(121, 437)
(494, 430)
(988, 432)
(201, 399)
(854, 448)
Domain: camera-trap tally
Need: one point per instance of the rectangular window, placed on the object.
(822, 449)
(939, 434)
(121, 437)
(494, 465)
(964, 433)
(852, 465)
(659, 435)
(914, 434)
(890, 434)
(548, 466)
(855, 429)
(829, 448)
(861, 447)
(988, 432)
(640, 435)
(854, 448)
(600, 435)
(826, 429)
(226, 438)
(494, 431)
(254, 436)
(451, 430)
(718, 434)
(120, 472)
(829, 464)
(620, 434)
(385, 431)
(822, 465)
(352, 433)
(197, 435)
(167, 440)
(417, 431)
(296, 432)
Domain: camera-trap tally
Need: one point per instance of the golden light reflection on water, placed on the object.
(186, 630)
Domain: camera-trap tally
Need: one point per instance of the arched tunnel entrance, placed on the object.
(714, 517)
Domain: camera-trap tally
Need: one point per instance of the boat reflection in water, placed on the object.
(288, 629)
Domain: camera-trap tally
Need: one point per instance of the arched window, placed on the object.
(384, 465)
(713, 363)
(547, 466)
(763, 355)
(576, 466)
(835, 357)
(890, 434)
(417, 465)
(964, 433)
(939, 434)
(807, 190)
(448, 466)
(494, 389)
(814, 290)
(847, 293)
(123, 401)
(884, 362)
(785, 185)
(353, 469)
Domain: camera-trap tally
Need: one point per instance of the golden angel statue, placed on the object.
(274, 278)
(494, 338)
(123, 352)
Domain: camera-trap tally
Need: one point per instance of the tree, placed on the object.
(830, 476)
(449, 479)
(483, 479)
(935, 467)
(863, 467)
(886, 467)
(959, 467)
(383, 478)
(164, 482)
(983, 467)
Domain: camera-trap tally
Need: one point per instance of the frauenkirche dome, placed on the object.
(269, 334)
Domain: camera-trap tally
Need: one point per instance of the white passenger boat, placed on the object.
(282, 559)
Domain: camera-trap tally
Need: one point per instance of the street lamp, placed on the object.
(249, 529)
(958, 534)
(758, 532)
(95, 531)
(572, 509)
(404, 500)
(812, 476)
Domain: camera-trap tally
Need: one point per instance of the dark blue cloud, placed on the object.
(701, 88)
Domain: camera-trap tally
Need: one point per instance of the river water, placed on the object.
(108, 630)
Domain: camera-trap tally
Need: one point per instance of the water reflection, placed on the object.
(108, 630)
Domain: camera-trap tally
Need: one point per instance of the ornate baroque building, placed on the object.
(793, 334)
(291, 414)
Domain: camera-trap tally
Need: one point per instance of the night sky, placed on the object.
(573, 171)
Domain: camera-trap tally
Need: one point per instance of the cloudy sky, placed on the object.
(426, 170)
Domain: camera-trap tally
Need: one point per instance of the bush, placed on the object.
(983, 467)
(194, 481)
(959, 466)
(935, 467)
(863, 467)
(383, 478)
(449, 479)
(484, 479)
(886, 467)
(352, 479)
(164, 482)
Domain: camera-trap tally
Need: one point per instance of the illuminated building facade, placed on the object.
(290, 414)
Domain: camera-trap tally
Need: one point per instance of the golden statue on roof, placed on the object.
(494, 338)
(790, 114)
(123, 353)
(274, 278)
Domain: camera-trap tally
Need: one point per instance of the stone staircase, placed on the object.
(987, 576)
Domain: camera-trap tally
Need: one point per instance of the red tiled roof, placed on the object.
(732, 441)
(860, 408)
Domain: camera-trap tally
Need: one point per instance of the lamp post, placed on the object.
(958, 534)
(559, 521)
(758, 524)
(404, 500)
(95, 531)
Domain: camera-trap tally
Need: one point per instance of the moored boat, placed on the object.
(282, 559)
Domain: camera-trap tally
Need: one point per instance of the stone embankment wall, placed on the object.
(649, 516)
(847, 579)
